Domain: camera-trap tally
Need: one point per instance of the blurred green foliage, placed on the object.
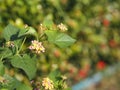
(95, 25)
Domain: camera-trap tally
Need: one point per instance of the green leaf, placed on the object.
(22, 32)
(31, 30)
(10, 33)
(51, 35)
(12, 83)
(54, 74)
(2, 68)
(48, 21)
(63, 40)
(25, 63)
(23, 87)
(60, 39)
(5, 52)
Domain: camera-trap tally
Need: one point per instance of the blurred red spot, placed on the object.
(82, 73)
(106, 22)
(112, 43)
(71, 70)
(101, 65)
(57, 53)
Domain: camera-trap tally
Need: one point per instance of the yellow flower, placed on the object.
(62, 27)
(37, 47)
(10, 44)
(47, 83)
(64, 77)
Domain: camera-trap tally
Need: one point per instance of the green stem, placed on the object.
(41, 35)
(1, 58)
(21, 45)
(36, 35)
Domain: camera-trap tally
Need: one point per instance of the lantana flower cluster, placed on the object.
(62, 27)
(47, 83)
(10, 44)
(36, 47)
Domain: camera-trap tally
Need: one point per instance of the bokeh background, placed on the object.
(95, 24)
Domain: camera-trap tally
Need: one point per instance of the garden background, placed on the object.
(95, 24)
